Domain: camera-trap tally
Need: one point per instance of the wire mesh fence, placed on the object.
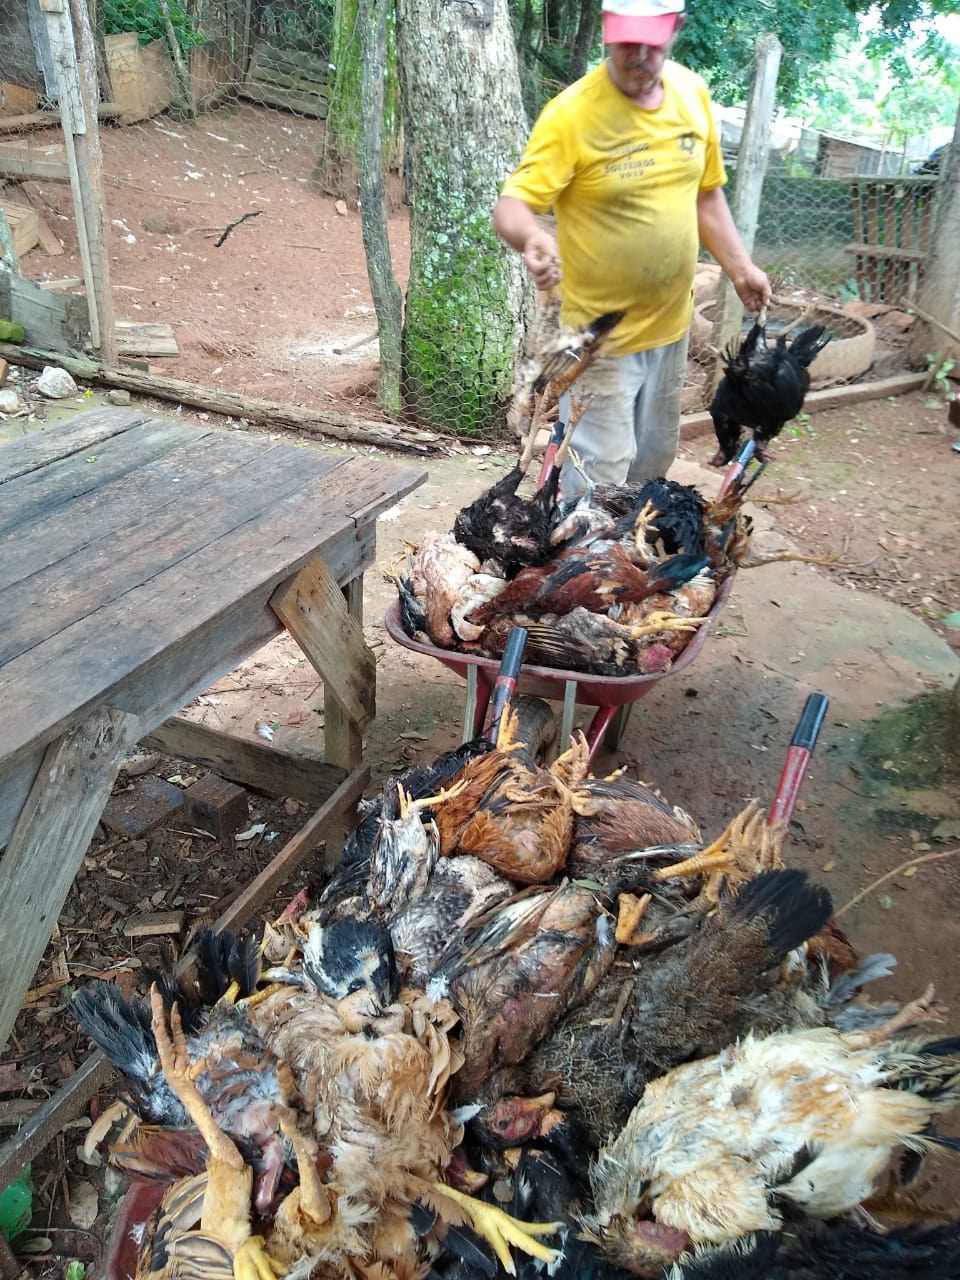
(235, 247)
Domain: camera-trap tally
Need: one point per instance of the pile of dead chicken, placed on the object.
(614, 585)
(533, 1019)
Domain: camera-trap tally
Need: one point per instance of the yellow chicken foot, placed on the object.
(252, 1262)
(409, 807)
(748, 845)
(500, 1230)
(181, 1076)
(630, 911)
(655, 622)
(250, 1002)
(313, 1196)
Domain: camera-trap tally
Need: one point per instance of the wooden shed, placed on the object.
(848, 158)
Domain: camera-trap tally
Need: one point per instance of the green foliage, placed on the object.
(308, 25)
(719, 38)
(145, 17)
(892, 99)
(940, 370)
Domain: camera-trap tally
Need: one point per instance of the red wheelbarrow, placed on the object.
(613, 696)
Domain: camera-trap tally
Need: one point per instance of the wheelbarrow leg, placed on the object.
(598, 727)
(569, 708)
(478, 699)
(470, 708)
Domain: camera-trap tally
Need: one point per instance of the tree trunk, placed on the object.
(373, 206)
(583, 41)
(465, 127)
(939, 295)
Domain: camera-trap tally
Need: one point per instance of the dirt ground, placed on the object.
(218, 228)
(875, 483)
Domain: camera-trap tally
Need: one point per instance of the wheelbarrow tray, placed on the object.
(608, 693)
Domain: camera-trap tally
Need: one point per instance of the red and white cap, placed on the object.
(640, 21)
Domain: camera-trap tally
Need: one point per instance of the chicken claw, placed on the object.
(252, 1262)
(746, 847)
(500, 1230)
(181, 1076)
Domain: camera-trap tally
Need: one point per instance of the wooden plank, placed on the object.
(23, 222)
(104, 512)
(49, 242)
(48, 844)
(42, 314)
(137, 339)
(313, 610)
(317, 831)
(49, 119)
(303, 775)
(155, 924)
(342, 740)
(158, 652)
(42, 1128)
(33, 503)
(881, 251)
(76, 435)
(93, 576)
(269, 95)
(25, 160)
(270, 56)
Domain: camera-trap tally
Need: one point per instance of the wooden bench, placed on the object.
(140, 561)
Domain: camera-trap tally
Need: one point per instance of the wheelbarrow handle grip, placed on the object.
(507, 676)
(798, 758)
(737, 467)
(810, 722)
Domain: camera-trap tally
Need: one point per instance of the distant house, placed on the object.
(839, 157)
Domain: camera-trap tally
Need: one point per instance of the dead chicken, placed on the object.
(799, 1122)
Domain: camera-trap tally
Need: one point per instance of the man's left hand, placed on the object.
(753, 287)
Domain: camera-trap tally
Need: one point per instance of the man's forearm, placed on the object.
(514, 222)
(718, 231)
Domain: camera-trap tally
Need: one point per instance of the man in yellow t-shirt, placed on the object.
(628, 160)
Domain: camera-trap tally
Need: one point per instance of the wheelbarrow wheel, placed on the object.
(538, 725)
(617, 727)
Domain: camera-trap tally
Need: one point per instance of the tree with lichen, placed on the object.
(464, 128)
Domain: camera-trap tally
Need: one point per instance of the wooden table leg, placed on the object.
(48, 843)
(327, 623)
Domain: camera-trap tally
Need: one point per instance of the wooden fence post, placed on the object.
(939, 295)
(74, 57)
(751, 167)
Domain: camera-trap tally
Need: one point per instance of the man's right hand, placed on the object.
(542, 260)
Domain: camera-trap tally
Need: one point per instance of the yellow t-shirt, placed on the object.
(623, 182)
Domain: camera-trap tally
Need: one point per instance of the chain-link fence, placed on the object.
(234, 237)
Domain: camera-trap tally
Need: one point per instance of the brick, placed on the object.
(154, 924)
(149, 803)
(217, 806)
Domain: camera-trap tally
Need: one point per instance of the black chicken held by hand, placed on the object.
(762, 387)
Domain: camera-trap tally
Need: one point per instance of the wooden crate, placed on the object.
(142, 76)
(24, 224)
(15, 100)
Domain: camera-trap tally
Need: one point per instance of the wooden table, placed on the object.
(140, 561)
